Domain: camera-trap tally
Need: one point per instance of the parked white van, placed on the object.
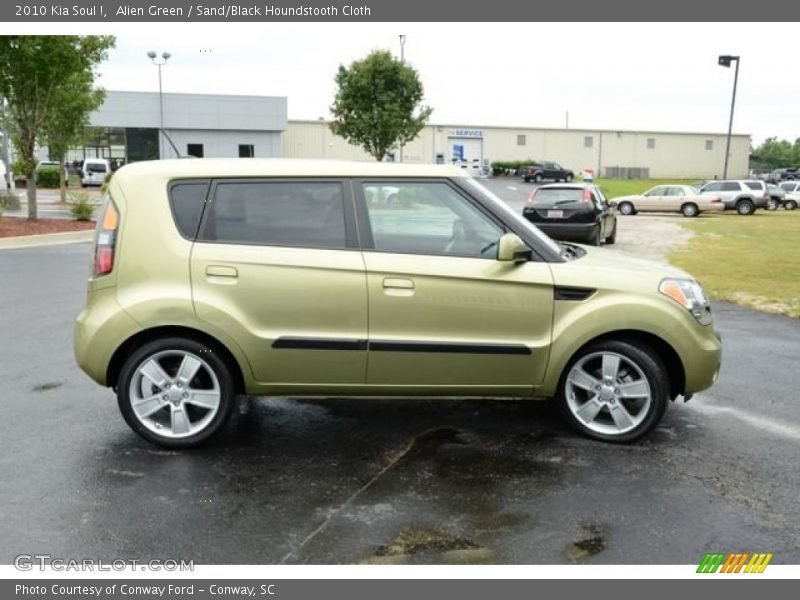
(94, 171)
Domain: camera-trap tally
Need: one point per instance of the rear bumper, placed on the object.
(567, 231)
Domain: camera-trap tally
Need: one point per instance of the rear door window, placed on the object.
(730, 186)
(276, 213)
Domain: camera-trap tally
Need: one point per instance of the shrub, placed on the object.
(509, 167)
(81, 207)
(48, 177)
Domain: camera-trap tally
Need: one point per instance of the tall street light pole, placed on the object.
(160, 62)
(725, 61)
(403, 60)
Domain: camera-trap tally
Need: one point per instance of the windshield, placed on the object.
(501, 207)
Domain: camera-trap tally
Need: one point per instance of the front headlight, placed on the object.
(689, 294)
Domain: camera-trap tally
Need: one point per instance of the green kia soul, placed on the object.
(217, 277)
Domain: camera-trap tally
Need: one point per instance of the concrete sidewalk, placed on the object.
(48, 239)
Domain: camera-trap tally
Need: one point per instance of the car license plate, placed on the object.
(555, 214)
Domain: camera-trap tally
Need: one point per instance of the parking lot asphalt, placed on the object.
(387, 481)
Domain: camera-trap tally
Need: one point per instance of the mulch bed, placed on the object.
(16, 226)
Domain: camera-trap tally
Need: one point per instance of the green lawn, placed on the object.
(626, 187)
(753, 261)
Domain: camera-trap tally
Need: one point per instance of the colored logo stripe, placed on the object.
(734, 562)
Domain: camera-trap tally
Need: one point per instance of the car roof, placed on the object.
(283, 167)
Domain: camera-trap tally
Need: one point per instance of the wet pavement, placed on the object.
(387, 481)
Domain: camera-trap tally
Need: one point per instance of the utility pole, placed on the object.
(725, 61)
(160, 63)
(402, 60)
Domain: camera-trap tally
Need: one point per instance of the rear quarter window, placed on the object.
(186, 200)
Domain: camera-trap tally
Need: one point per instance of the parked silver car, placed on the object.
(742, 195)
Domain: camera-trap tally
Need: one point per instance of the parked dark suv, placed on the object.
(577, 212)
(540, 171)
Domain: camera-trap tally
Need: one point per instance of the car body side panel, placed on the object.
(480, 304)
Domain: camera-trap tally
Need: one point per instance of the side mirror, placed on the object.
(511, 248)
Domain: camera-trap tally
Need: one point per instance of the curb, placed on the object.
(47, 239)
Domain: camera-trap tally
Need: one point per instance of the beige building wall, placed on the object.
(668, 155)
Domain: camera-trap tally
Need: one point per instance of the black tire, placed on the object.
(772, 204)
(568, 178)
(654, 372)
(538, 178)
(596, 238)
(745, 207)
(212, 359)
(790, 205)
(613, 237)
(626, 208)
(690, 210)
(526, 179)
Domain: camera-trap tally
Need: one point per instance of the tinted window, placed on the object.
(712, 187)
(674, 191)
(308, 214)
(428, 218)
(187, 205)
(96, 168)
(754, 185)
(547, 197)
(730, 186)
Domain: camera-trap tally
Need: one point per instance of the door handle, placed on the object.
(398, 284)
(221, 271)
(395, 286)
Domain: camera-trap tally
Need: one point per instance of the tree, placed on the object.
(378, 103)
(69, 118)
(37, 73)
(774, 154)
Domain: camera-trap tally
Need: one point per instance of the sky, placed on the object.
(625, 76)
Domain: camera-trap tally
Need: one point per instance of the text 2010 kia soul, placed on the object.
(218, 277)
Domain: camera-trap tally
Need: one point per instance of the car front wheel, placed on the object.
(614, 391)
(538, 178)
(175, 392)
(626, 208)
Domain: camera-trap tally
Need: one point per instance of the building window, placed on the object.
(709, 144)
(195, 150)
(651, 143)
(588, 141)
(247, 151)
(522, 140)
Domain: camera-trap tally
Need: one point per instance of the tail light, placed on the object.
(532, 197)
(106, 240)
(587, 196)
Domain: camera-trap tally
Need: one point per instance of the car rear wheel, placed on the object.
(745, 207)
(538, 178)
(613, 237)
(614, 391)
(596, 238)
(790, 205)
(175, 392)
(689, 209)
(626, 208)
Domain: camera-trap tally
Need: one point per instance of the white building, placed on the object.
(200, 125)
(127, 126)
(656, 154)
